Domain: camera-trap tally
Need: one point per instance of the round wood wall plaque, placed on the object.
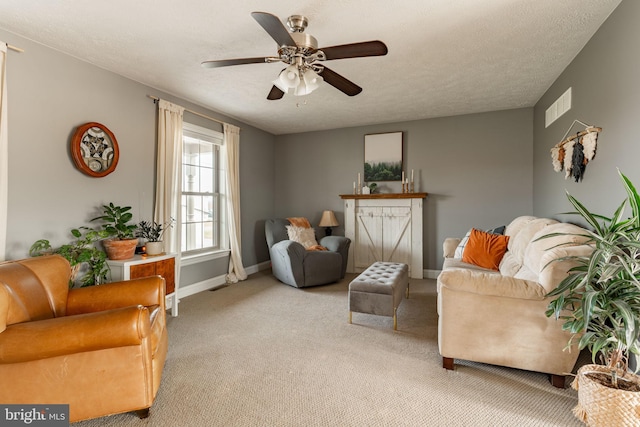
(94, 149)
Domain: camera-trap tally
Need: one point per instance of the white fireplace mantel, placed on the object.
(384, 227)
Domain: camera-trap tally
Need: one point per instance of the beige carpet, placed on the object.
(261, 353)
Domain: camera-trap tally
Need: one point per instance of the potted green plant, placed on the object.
(81, 252)
(116, 219)
(153, 232)
(599, 302)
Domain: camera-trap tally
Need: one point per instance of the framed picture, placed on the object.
(383, 157)
(94, 149)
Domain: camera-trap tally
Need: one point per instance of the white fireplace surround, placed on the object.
(384, 227)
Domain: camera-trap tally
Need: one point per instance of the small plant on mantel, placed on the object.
(117, 224)
(79, 253)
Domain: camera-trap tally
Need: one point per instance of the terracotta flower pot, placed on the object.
(154, 248)
(120, 249)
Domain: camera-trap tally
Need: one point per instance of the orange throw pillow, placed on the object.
(299, 221)
(485, 249)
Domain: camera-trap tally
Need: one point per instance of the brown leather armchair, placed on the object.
(100, 349)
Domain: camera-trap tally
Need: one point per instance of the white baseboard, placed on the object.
(205, 285)
(258, 267)
(214, 282)
(431, 274)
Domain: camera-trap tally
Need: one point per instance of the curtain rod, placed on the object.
(155, 98)
(14, 48)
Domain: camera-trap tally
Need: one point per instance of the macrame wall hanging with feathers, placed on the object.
(573, 153)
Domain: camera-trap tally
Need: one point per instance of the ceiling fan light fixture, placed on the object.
(302, 89)
(301, 81)
(289, 78)
(311, 80)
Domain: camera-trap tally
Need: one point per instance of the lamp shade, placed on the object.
(302, 81)
(311, 80)
(328, 219)
(289, 78)
(301, 89)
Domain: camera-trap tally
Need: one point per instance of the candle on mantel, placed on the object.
(411, 175)
(403, 177)
(354, 187)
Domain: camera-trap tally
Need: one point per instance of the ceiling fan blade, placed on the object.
(340, 83)
(227, 62)
(355, 50)
(273, 26)
(275, 94)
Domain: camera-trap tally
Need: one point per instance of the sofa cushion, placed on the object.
(451, 263)
(520, 241)
(485, 249)
(524, 229)
(542, 252)
(509, 265)
(514, 227)
(525, 273)
(490, 283)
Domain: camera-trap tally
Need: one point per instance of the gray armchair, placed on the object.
(294, 265)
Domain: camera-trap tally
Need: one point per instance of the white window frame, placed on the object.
(199, 255)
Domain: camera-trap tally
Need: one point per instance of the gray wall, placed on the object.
(604, 80)
(49, 95)
(476, 169)
(479, 170)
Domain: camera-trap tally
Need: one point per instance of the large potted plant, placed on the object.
(88, 263)
(116, 219)
(599, 302)
(153, 232)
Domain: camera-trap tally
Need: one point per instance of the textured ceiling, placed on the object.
(445, 57)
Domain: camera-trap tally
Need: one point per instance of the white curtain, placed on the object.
(169, 175)
(4, 152)
(232, 147)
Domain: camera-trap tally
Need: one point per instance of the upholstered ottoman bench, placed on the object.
(379, 289)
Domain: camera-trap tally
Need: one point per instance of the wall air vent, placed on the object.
(558, 108)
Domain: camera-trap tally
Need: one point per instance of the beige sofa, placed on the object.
(498, 317)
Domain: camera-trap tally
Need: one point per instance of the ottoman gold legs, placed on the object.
(395, 319)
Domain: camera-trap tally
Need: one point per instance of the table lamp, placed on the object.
(328, 220)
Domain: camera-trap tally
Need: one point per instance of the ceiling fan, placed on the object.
(300, 52)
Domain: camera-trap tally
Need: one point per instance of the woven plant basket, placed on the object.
(602, 406)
